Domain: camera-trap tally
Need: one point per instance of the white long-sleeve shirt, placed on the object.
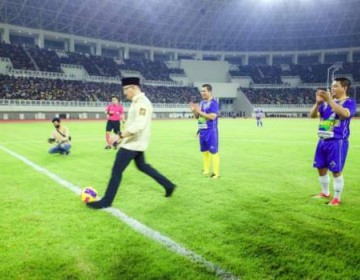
(138, 123)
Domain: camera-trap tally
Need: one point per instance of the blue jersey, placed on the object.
(208, 107)
(331, 125)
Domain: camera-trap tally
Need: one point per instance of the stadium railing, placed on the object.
(58, 103)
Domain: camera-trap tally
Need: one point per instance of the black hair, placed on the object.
(56, 119)
(207, 86)
(344, 82)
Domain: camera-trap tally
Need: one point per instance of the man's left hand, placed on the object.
(326, 95)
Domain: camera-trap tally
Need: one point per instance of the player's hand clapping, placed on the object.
(322, 96)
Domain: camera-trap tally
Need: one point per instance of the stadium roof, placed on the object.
(218, 25)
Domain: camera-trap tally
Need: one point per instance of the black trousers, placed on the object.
(123, 158)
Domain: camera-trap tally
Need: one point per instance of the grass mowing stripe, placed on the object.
(246, 140)
(169, 243)
(134, 224)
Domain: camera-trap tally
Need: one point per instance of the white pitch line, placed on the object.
(134, 224)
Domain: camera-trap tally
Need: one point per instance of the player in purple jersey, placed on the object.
(335, 110)
(207, 115)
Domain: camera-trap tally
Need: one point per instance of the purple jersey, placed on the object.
(208, 107)
(209, 137)
(331, 126)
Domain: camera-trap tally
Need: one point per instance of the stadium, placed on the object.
(66, 59)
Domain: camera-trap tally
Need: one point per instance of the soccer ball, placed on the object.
(89, 194)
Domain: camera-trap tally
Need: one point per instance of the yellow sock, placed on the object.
(206, 168)
(216, 163)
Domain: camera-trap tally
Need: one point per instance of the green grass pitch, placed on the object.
(257, 221)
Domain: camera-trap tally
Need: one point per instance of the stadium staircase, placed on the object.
(31, 58)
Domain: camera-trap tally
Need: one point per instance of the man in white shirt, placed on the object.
(135, 140)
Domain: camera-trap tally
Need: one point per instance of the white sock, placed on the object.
(325, 182)
(338, 186)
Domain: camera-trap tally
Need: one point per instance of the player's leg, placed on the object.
(206, 163)
(213, 145)
(116, 127)
(123, 158)
(108, 134)
(324, 181)
(114, 141)
(204, 148)
(153, 173)
(337, 155)
(320, 162)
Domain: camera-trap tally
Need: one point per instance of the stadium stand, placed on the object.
(46, 60)
(67, 90)
(17, 55)
(27, 57)
(151, 70)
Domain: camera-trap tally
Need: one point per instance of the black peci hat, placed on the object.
(130, 81)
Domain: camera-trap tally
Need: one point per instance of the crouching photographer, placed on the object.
(60, 138)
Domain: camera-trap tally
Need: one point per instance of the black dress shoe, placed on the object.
(98, 204)
(170, 191)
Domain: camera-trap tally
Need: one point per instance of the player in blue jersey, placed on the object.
(336, 110)
(207, 115)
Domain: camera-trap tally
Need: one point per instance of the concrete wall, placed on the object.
(203, 70)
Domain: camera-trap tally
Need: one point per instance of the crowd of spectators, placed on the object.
(288, 95)
(308, 73)
(94, 65)
(46, 60)
(65, 90)
(32, 57)
(17, 55)
(181, 95)
(44, 89)
(150, 70)
(280, 96)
